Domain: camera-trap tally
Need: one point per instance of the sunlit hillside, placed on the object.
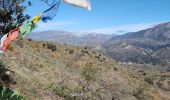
(46, 71)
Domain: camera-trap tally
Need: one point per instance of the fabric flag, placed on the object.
(36, 19)
(79, 3)
(26, 28)
(1, 35)
(50, 13)
(12, 35)
(3, 39)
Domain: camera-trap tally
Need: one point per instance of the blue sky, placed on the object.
(106, 16)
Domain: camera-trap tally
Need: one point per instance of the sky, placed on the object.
(106, 16)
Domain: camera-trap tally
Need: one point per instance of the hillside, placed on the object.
(141, 47)
(46, 71)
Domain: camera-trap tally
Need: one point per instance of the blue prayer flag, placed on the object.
(50, 13)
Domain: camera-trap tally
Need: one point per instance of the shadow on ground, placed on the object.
(5, 78)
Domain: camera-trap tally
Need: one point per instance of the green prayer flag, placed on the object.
(26, 28)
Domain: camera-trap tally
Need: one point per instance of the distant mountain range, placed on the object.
(63, 37)
(160, 32)
(147, 46)
(150, 46)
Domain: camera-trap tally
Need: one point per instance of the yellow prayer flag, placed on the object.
(36, 19)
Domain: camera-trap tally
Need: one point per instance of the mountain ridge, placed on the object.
(158, 32)
(141, 46)
(64, 37)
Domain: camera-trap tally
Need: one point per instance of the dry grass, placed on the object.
(45, 71)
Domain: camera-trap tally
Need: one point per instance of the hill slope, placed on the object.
(44, 71)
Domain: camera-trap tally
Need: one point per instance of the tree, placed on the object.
(11, 14)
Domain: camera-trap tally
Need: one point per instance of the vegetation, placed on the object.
(139, 51)
(11, 14)
(149, 80)
(8, 94)
(142, 93)
(149, 46)
(42, 73)
(51, 46)
(89, 72)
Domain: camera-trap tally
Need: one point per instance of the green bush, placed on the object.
(8, 94)
(64, 92)
(71, 51)
(89, 72)
(97, 57)
(51, 46)
(86, 48)
(149, 80)
(66, 49)
(11, 48)
(44, 45)
(84, 51)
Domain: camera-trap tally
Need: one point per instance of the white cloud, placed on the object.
(121, 29)
(117, 29)
(53, 25)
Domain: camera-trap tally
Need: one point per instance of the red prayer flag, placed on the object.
(12, 35)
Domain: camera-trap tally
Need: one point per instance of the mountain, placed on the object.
(50, 71)
(91, 39)
(142, 47)
(160, 32)
(57, 36)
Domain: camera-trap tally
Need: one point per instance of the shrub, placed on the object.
(149, 80)
(97, 57)
(84, 51)
(44, 45)
(8, 94)
(115, 69)
(41, 65)
(86, 48)
(94, 52)
(71, 51)
(64, 92)
(30, 40)
(142, 93)
(11, 48)
(51, 46)
(89, 72)
(66, 49)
